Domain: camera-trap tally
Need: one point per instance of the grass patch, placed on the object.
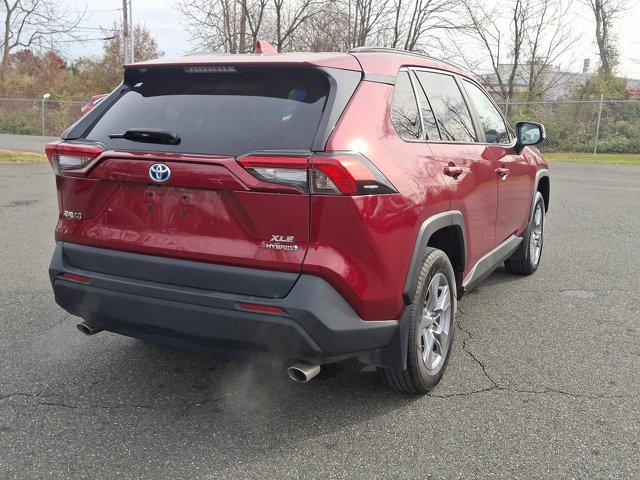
(12, 156)
(603, 158)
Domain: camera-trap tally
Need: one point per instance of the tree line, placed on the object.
(515, 42)
(519, 42)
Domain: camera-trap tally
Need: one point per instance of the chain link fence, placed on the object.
(37, 117)
(605, 126)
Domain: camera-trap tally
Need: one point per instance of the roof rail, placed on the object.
(401, 52)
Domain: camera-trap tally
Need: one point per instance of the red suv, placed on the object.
(308, 207)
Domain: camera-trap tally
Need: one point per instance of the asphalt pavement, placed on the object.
(542, 382)
(24, 143)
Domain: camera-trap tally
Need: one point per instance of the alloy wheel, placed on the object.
(535, 243)
(434, 336)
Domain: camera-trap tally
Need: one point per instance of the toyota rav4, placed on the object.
(304, 207)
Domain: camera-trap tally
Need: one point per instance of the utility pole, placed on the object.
(131, 33)
(126, 34)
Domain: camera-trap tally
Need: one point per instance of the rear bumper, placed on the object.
(317, 324)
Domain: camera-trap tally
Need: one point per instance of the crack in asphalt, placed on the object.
(185, 408)
(495, 386)
(465, 348)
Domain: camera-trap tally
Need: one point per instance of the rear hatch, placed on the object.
(176, 163)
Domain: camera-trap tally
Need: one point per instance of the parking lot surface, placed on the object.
(542, 383)
(25, 143)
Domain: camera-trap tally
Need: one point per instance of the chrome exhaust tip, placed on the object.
(303, 371)
(87, 329)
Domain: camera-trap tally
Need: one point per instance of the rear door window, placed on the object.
(448, 105)
(228, 112)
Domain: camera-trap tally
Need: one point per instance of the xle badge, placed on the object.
(282, 242)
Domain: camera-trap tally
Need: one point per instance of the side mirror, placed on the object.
(529, 133)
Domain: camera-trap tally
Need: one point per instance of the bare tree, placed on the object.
(254, 13)
(34, 23)
(487, 28)
(234, 26)
(548, 37)
(214, 24)
(605, 13)
(327, 31)
(364, 18)
(290, 16)
(413, 20)
(522, 41)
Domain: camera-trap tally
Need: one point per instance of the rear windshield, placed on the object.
(222, 113)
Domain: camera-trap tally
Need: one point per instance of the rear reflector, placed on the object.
(261, 308)
(66, 156)
(334, 173)
(76, 278)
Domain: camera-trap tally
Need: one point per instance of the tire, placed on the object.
(431, 328)
(526, 259)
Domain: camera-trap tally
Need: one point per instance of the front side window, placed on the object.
(449, 107)
(495, 130)
(404, 109)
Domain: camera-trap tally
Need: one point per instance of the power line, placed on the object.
(104, 11)
(87, 39)
(101, 29)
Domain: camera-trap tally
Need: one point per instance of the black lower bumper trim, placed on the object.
(187, 273)
(317, 325)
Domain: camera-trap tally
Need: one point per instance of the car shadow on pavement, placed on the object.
(498, 277)
(196, 402)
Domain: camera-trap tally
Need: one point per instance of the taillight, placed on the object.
(67, 156)
(333, 173)
(290, 171)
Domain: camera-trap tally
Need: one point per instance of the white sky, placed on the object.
(164, 22)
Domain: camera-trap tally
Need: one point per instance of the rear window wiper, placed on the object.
(148, 135)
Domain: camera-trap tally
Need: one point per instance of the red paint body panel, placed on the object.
(381, 251)
(362, 245)
(213, 210)
(386, 64)
(474, 193)
(204, 211)
(515, 191)
(366, 127)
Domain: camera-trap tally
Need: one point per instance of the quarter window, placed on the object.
(428, 120)
(495, 130)
(449, 107)
(404, 109)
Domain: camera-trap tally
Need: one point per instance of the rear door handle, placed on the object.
(453, 170)
(502, 172)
